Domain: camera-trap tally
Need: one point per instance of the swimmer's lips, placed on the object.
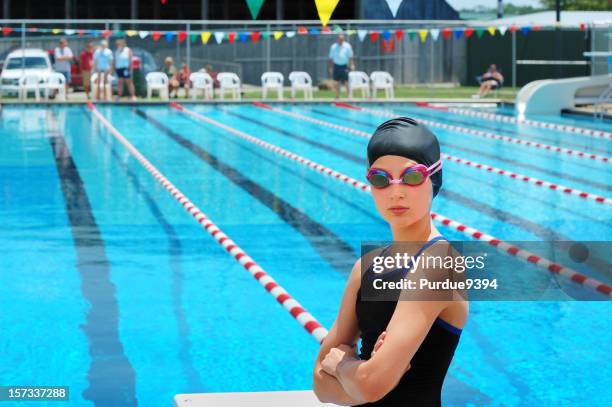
(399, 210)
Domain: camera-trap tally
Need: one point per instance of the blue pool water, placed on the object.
(108, 286)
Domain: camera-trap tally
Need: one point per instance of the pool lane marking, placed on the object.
(481, 133)
(502, 246)
(535, 123)
(335, 251)
(494, 170)
(101, 326)
(175, 250)
(296, 310)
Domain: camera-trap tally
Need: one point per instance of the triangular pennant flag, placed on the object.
(513, 28)
(231, 37)
(254, 7)
(326, 30)
(182, 35)
(446, 33)
(265, 35)
(458, 32)
(386, 35)
(193, 37)
(536, 27)
(525, 30)
(399, 34)
(219, 35)
(81, 32)
(7, 30)
(156, 35)
(394, 5)
(69, 31)
(205, 36)
(423, 35)
(169, 36)
(491, 30)
(302, 30)
(131, 33)
(502, 30)
(582, 26)
(350, 32)
(106, 34)
(338, 30)
(410, 35)
(468, 32)
(314, 31)
(290, 34)
(255, 35)
(373, 36)
(242, 37)
(118, 33)
(143, 34)
(435, 33)
(479, 32)
(362, 34)
(278, 35)
(325, 8)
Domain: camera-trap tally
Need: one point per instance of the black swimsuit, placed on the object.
(421, 385)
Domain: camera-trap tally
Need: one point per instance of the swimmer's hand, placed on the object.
(337, 355)
(379, 343)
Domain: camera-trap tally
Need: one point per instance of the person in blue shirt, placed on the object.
(340, 62)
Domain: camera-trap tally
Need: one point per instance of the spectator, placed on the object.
(86, 63)
(491, 79)
(213, 74)
(103, 58)
(63, 58)
(183, 78)
(340, 61)
(124, 69)
(170, 71)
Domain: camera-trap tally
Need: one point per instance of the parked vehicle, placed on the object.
(21, 62)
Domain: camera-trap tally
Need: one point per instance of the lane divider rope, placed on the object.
(296, 310)
(485, 134)
(502, 246)
(534, 123)
(535, 181)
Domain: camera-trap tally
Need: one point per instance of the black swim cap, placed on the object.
(405, 137)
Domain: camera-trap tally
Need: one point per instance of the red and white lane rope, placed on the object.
(482, 133)
(485, 167)
(279, 293)
(534, 123)
(532, 180)
(467, 230)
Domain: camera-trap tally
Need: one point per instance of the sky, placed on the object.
(462, 4)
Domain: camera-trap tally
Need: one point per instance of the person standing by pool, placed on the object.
(63, 57)
(86, 65)
(103, 58)
(408, 341)
(340, 62)
(124, 69)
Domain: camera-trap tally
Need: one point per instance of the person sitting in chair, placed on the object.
(491, 79)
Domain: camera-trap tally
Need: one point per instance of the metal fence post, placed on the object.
(513, 60)
(268, 49)
(188, 50)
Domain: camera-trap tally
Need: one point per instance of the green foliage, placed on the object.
(594, 5)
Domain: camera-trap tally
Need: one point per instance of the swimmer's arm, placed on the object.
(374, 378)
(345, 330)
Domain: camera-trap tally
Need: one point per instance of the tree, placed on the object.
(599, 5)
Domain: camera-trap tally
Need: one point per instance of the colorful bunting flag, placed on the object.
(399, 34)
(302, 30)
(278, 35)
(231, 37)
(314, 31)
(435, 33)
(446, 33)
(7, 30)
(491, 30)
(131, 33)
(205, 36)
(193, 37)
(169, 36)
(219, 36)
(468, 32)
(373, 36)
(265, 35)
(479, 32)
(362, 34)
(255, 35)
(143, 34)
(254, 7)
(502, 30)
(423, 35)
(106, 34)
(525, 30)
(182, 35)
(410, 35)
(242, 37)
(325, 8)
(458, 32)
(513, 28)
(394, 6)
(290, 34)
(156, 35)
(69, 31)
(326, 30)
(386, 35)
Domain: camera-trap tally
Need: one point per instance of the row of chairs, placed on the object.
(42, 85)
(202, 84)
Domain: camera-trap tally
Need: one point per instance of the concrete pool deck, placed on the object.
(298, 398)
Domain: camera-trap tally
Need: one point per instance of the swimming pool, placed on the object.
(110, 287)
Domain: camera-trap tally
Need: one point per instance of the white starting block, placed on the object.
(298, 398)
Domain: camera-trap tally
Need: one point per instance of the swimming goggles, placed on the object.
(412, 176)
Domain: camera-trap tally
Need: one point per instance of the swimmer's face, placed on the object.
(401, 205)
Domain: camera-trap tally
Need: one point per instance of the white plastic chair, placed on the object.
(229, 81)
(358, 80)
(157, 82)
(382, 81)
(301, 81)
(29, 83)
(201, 81)
(272, 81)
(106, 88)
(56, 81)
